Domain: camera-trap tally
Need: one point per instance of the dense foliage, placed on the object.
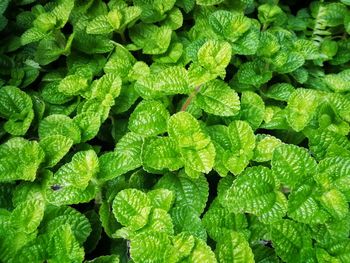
(174, 131)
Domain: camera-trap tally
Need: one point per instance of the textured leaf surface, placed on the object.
(149, 118)
(20, 160)
(217, 98)
(132, 207)
(292, 164)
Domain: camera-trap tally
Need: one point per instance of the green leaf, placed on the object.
(72, 85)
(20, 160)
(268, 13)
(186, 220)
(338, 82)
(63, 247)
(58, 124)
(280, 91)
(120, 62)
(229, 25)
(149, 118)
(101, 25)
(289, 239)
(234, 248)
(201, 253)
(254, 73)
(17, 107)
(132, 207)
(285, 62)
(105, 259)
(292, 165)
(58, 216)
(302, 105)
(252, 109)
(219, 221)
(160, 221)
(192, 193)
(217, 98)
(126, 157)
(161, 198)
(27, 215)
(162, 153)
(265, 147)
(89, 125)
(183, 244)
(335, 203)
(242, 144)
(304, 207)
(334, 172)
(169, 81)
(215, 56)
(72, 182)
(55, 148)
(254, 191)
(196, 149)
(152, 39)
(108, 84)
(208, 2)
(151, 246)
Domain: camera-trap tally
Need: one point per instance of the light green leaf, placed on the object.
(27, 215)
(132, 207)
(183, 244)
(72, 184)
(169, 81)
(280, 91)
(302, 105)
(162, 153)
(242, 141)
(161, 198)
(152, 247)
(196, 149)
(89, 125)
(160, 221)
(265, 147)
(72, 85)
(108, 84)
(201, 253)
(219, 221)
(126, 157)
(292, 165)
(234, 248)
(192, 193)
(16, 106)
(63, 247)
(149, 118)
(289, 238)
(254, 191)
(304, 207)
(334, 172)
(58, 216)
(55, 148)
(217, 98)
(335, 203)
(286, 61)
(339, 82)
(120, 62)
(186, 220)
(208, 2)
(268, 13)
(229, 25)
(254, 73)
(151, 38)
(20, 160)
(215, 56)
(58, 124)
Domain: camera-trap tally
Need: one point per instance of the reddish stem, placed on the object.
(190, 98)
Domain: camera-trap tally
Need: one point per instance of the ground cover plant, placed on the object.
(153, 131)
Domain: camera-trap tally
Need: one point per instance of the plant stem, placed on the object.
(190, 98)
